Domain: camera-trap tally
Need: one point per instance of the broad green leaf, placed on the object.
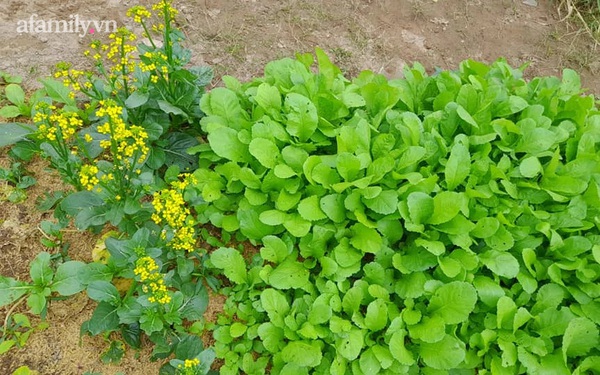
(276, 306)
(231, 262)
(57, 91)
(486, 227)
(453, 302)
(333, 206)
(446, 205)
(265, 151)
(67, 278)
(104, 319)
(103, 291)
(226, 144)
(445, 354)
(268, 97)
(458, 166)
(350, 344)
(15, 94)
(9, 111)
(137, 99)
(398, 349)
(530, 167)
(274, 249)
(501, 263)
(309, 208)
(580, 337)
(385, 203)
(377, 315)
(296, 225)
(271, 336)
(368, 362)
(11, 290)
(420, 207)
(40, 270)
(222, 102)
(302, 118)
(429, 329)
(289, 274)
(366, 239)
(302, 353)
(437, 248)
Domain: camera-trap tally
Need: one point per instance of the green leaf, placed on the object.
(11, 290)
(231, 262)
(57, 91)
(268, 97)
(377, 315)
(333, 206)
(274, 249)
(386, 203)
(15, 94)
(40, 270)
(104, 319)
(530, 167)
(11, 133)
(137, 99)
(453, 302)
(10, 111)
(103, 291)
(501, 263)
(446, 205)
(398, 349)
(265, 151)
(420, 207)
(296, 225)
(151, 322)
(67, 278)
(350, 344)
(289, 274)
(226, 144)
(302, 353)
(276, 306)
(271, 336)
(367, 240)
(458, 166)
(580, 337)
(309, 208)
(445, 354)
(224, 103)
(302, 118)
(74, 203)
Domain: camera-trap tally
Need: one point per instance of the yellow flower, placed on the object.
(87, 176)
(139, 13)
(147, 271)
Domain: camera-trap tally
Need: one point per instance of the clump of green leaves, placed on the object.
(416, 225)
(18, 180)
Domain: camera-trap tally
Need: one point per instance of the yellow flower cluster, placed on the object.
(188, 364)
(55, 124)
(130, 142)
(165, 6)
(71, 78)
(147, 270)
(138, 13)
(88, 176)
(171, 209)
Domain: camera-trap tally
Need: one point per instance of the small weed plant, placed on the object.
(431, 224)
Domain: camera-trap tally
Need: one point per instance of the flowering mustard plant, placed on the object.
(171, 210)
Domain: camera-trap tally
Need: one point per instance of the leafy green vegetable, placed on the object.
(430, 224)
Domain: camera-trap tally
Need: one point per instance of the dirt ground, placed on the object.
(238, 37)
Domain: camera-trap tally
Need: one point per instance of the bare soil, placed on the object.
(238, 37)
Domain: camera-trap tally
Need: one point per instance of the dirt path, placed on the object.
(238, 37)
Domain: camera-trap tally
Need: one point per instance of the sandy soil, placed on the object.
(238, 37)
